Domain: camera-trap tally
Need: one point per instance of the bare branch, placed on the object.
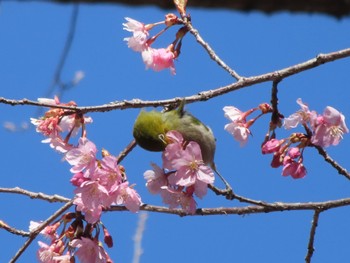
(12, 230)
(126, 151)
(256, 209)
(34, 195)
(57, 81)
(310, 247)
(36, 231)
(332, 162)
(201, 96)
(211, 52)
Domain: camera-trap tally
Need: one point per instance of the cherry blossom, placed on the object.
(83, 156)
(293, 168)
(123, 194)
(177, 197)
(238, 127)
(300, 117)
(89, 251)
(156, 179)
(159, 59)
(138, 41)
(329, 128)
(190, 167)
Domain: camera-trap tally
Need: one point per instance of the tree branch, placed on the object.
(36, 231)
(310, 247)
(34, 195)
(246, 210)
(201, 96)
(335, 8)
(332, 162)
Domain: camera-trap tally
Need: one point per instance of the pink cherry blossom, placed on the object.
(300, 117)
(57, 143)
(329, 128)
(294, 152)
(158, 59)
(173, 149)
(155, 179)
(138, 41)
(82, 157)
(89, 251)
(78, 179)
(238, 127)
(295, 169)
(47, 253)
(123, 194)
(190, 167)
(175, 198)
(108, 172)
(271, 146)
(90, 198)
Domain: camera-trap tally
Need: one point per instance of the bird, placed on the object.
(151, 127)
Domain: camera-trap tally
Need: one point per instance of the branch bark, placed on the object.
(334, 8)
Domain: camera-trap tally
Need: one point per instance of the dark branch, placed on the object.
(310, 247)
(335, 8)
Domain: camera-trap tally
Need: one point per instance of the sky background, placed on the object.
(32, 36)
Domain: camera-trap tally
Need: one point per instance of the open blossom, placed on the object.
(55, 122)
(187, 163)
(83, 156)
(302, 116)
(123, 194)
(175, 198)
(138, 41)
(108, 172)
(238, 126)
(156, 179)
(48, 253)
(329, 128)
(159, 59)
(191, 170)
(89, 251)
(90, 198)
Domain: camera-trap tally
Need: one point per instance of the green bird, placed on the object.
(151, 127)
(150, 130)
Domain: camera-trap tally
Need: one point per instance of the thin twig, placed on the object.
(126, 151)
(201, 96)
(245, 210)
(13, 230)
(211, 52)
(310, 247)
(63, 58)
(332, 162)
(36, 231)
(34, 195)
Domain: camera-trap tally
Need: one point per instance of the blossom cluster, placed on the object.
(239, 126)
(183, 174)
(140, 41)
(322, 130)
(99, 183)
(66, 243)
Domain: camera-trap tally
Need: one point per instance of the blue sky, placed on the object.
(32, 37)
